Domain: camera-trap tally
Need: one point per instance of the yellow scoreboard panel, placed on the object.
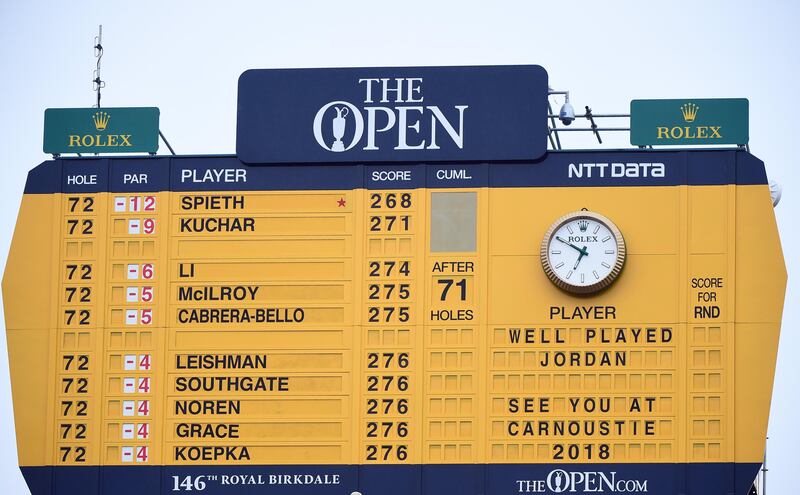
(594, 322)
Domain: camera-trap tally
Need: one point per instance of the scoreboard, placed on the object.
(202, 325)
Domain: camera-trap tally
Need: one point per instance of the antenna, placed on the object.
(97, 83)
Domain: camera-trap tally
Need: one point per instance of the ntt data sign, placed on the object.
(392, 114)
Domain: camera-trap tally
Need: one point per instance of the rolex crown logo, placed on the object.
(100, 120)
(689, 111)
(583, 225)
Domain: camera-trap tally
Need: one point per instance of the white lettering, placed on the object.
(369, 82)
(403, 126)
(391, 175)
(134, 178)
(371, 130)
(414, 88)
(214, 175)
(459, 174)
(82, 179)
(616, 170)
(457, 137)
(339, 125)
(397, 90)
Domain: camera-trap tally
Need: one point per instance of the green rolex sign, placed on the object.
(695, 121)
(101, 130)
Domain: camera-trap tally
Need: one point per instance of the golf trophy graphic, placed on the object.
(558, 482)
(339, 123)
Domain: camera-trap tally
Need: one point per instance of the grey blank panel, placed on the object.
(454, 222)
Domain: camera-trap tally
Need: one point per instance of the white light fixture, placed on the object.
(567, 114)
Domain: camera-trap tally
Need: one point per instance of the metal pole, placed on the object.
(590, 118)
(601, 115)
(764, 472)
(553, 130)
(550, 138)
(589, 129)
(98, 52)
(166, 142)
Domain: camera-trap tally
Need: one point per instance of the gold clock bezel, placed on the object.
(601, 284)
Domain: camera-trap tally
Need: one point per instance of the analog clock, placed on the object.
(583, 252)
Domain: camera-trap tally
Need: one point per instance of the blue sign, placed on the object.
(561, 169)
(392, 114)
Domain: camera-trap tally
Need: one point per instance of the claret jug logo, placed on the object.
(100, 119)
(393, 114)
(558, 480)
(689, 112)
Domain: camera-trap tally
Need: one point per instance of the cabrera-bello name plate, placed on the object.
(381, 114)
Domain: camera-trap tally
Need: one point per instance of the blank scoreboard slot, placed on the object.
(450, 428)
(259, 225)
(454, 222)
(451, 383)
(129, 340)
(232, 408)
(263, 339)
(78, 249)
(451, 360)
(77, 340)
(644, 451)
(130, 249)
(605, 381)
(577, 382)
(262, 248)
(708, 219)
(390, 246)
(389, 338)
(450, 452)
(450, 406)
(193, 430)
(450, 337)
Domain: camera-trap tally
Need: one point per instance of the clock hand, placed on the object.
(580, 257)
(573, 246)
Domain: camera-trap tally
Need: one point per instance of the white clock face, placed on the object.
(583, 252)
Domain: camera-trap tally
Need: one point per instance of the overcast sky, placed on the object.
(185, 57)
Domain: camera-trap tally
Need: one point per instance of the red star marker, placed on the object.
(342, 202)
